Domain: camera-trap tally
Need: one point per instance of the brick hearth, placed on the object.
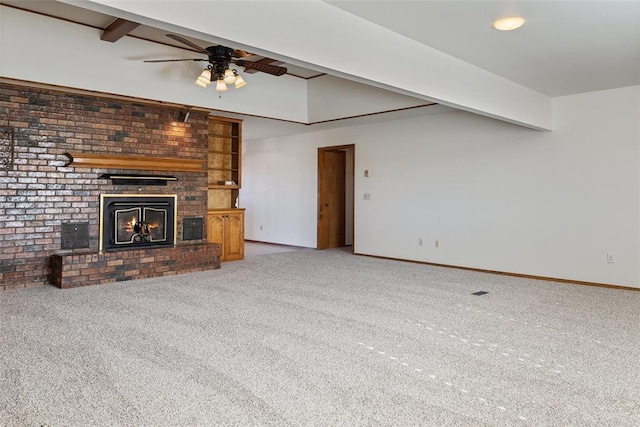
(71, 270)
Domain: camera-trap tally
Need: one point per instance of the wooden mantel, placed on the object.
(109, 161)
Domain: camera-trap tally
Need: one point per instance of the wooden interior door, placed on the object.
(331, 198)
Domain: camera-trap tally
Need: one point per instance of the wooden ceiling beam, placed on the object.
(118, 29)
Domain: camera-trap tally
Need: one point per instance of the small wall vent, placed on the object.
(75, 235)
(192, 228)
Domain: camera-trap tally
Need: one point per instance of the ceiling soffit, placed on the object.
(428, 74)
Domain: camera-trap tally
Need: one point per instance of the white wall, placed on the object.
(279, 189)
(331, 97)
(495, 196)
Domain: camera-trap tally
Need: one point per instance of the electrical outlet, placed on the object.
(611, 258)
(260, 228)
(420, 241)
(367, 196)
(366, 173)
(437, 243)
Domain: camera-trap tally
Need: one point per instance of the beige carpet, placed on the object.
(252, 248)
(321, 338)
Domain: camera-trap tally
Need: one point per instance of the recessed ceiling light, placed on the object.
(508, 24)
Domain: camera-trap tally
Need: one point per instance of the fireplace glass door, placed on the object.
(130, 221)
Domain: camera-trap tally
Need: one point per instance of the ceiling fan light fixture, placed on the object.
(204, 79)
(240, 82)
(220, 59)
(229, 76)
(221, 86)
(508, 24)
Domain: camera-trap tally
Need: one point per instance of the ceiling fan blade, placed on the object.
(241, 53)
(188, 43)
(274, 70)
(174, 60)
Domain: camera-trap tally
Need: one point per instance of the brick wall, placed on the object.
(39, 193)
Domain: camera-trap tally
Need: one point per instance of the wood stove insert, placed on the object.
(135, 220)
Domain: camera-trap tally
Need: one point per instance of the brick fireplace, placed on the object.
(47, 201)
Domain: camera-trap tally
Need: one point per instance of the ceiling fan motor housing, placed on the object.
(220, 58)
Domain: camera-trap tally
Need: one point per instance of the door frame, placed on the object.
(350, 173)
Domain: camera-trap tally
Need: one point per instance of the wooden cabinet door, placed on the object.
(215, 230)
(234, 236)
(227, 229)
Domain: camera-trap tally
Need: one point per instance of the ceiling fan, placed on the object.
(220, 59)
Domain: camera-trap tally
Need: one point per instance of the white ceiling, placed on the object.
(565, 47)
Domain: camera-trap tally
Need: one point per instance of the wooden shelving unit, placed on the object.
(224, 167)
(224, 162)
